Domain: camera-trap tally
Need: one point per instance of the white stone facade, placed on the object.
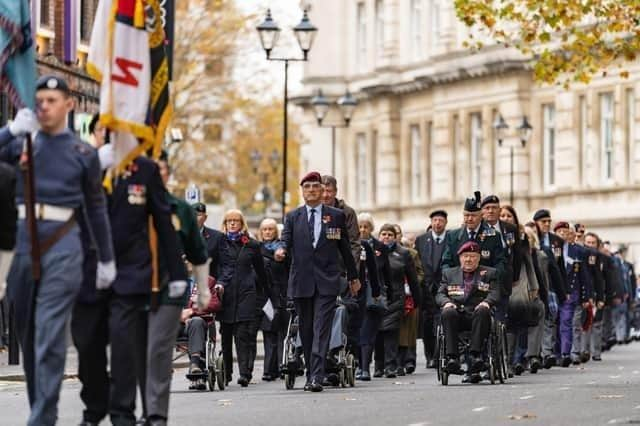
(422, 137)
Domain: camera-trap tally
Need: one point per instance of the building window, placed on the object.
(362, 169)
(606, 135)
(585, 143)
(428, 156)
(435, 23)
(379, 26)
(631, 130)
(45, 13)
(415, 157)
(416, 29)
(361, 36)
(87, 14)
(476, 150)
(374, 166)
(549, 142)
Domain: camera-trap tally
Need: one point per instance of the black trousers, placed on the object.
(128, 351)
(387, 350)
(90, 333)
(273, 343)
(429, 321)
(241, 333)
(315, 315)
(453, 322)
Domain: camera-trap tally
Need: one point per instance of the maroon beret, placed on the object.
(311, 177)
(469, 247)
(561, 225)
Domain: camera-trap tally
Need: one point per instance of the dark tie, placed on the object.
(437, 240)
(312, 225)
(472, 235)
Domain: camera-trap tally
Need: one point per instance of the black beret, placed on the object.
(473, 204)
(52, 82)
(542, 214)
(490, 199)
(438, 213)
(200, 207)
(311, 177)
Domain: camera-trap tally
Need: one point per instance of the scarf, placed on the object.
(233, 236)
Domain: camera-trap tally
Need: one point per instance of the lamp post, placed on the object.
(264, 194)
(269, 33)
(524, 132)
(347, 104)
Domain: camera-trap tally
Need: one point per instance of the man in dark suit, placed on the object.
(492, 253)
(221, 267)
(466, 294)
(430, 247)
(315, 236)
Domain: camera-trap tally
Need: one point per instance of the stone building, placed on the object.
(422, 136)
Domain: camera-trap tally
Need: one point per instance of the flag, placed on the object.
(17, 57)
(127, 57)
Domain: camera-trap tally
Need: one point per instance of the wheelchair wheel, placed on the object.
(502, 350)
(493, 359)
(351, 370)
(220, 373)
(443, 375)
(289, 380)
(211, 379)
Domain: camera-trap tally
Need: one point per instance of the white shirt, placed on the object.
(436, 236)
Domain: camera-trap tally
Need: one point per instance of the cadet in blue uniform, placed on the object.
(67, 186)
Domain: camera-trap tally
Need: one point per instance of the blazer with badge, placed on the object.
(509, 234)
(221, 266)
(425, 244)
(578, 277)
(485, 288)
(492, 254)
(138, 194)
(317, 269)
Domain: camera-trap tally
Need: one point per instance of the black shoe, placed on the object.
(243, 381)
(534, 365)
(596, 358)
(316, 387)
(267, 378)
(307, 387)
(390, 374)
(141, 421)
(194, 368)
(466, 378)
(432, 363)
(453, 366)
(378, 373)
(575, 361)
(410, 369)
(585, 357)
(518, 369)
(365, 376)
(509, 372)
(477, 364)
(475, 378)
(358, 374)
(566, 361)
(401, 372)
(88, 423)
(549, 362)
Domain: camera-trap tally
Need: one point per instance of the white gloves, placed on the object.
(25, 122)
(105, 154)
(105, 275)
(5, 264)
(201, 275)
(177, 288)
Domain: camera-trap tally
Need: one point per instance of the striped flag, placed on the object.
(127, 57)
(17, 57)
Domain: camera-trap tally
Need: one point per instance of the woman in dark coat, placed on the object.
(402, 270)
(241, 297)
(274, 331)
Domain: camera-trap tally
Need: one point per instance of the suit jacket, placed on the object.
(135, 197)
(317, 270)
(221, 266)
(425, 245)
(510, 236)
(595, 267)
(492, 254)
(485, 288)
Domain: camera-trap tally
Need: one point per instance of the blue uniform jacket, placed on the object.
(578, 278)
(317, 270)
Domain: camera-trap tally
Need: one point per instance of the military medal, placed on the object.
(137, 194)
(485, 253)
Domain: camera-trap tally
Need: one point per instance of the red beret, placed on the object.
(561, 225)
(469, 247)
(311, 177)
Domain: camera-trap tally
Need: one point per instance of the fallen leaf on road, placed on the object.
(522, 417)
(614, 377)
(609, 396)
(527, 397)
(350, 399)
(478, 409)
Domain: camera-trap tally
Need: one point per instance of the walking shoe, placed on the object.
(510, 372)
(358, 374)
(585, 357)
(307, 387)
(378, 373)
(477, 364)
(389, 373)
(566, 361)
(549, 362)
(316, 387)
(596, 358)
(453, 366)
(534, 364)
(401, 372)
(410, 368)
(518, 369)
(243, 381)
(365, 376)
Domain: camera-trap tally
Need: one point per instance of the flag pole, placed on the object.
(30, 204)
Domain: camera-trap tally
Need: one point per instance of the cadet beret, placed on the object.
(311, 177)
(52, 82)
(438, 213)
(473, 204)
(561, 225)
(200, 207)
(490, 199)
(469, 247)
(542, 214)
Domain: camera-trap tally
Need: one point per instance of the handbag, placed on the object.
(522, 310)
(379, 306)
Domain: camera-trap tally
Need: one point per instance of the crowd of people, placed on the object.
(133, 267)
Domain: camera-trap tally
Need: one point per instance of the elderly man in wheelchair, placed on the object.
(467, 295)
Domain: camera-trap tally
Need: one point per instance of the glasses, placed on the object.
(311, 185)
(234, 220)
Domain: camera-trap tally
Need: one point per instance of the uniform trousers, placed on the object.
(578, 337)
(315, 317)
(479, 321)
(387, 350)
(368, 334)
(619, 318)
(565, 326)
(241, 334)
(90, 332)
(128, 347)
(273, 343)
(41, 326)
(549, 336)
(162, 333)
(608, 331)
(430, 322)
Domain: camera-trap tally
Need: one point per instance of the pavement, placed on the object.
(591, 394)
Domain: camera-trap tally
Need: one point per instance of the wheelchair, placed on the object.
(214, 371)
(292, 364)
(495, 353)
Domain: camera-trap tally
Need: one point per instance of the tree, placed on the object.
(569, 41)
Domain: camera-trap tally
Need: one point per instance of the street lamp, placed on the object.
(269, 33)
(256, 157)
(524, 132)
(347, 104)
